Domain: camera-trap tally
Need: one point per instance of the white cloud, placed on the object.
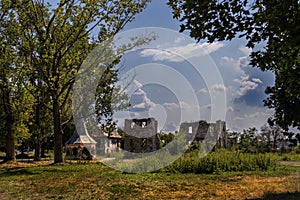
(184, 105)
(245, 50)
(181, 53)
(179, 39)
(245, 116)
(236, 64)
(219, 88)
(257, 80)
(202, 91)
(170, 106)
(246, 85)
(137, 84)
(140, 102)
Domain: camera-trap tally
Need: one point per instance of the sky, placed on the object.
(170, 102)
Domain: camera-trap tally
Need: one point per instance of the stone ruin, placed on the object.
(141, 135)
(201, 129)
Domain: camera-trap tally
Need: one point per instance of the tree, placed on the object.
(165, 138)
(57, 39)
(272, 134)
(274, 23)
(248, 141)
(15, 103)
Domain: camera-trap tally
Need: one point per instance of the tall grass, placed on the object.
(221, 161)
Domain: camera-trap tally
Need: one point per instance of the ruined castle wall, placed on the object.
(197, 129)
(201, 129)
(141, 135)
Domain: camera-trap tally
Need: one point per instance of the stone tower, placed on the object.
(141, 135)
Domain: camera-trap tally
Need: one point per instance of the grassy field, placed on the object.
(44, 180)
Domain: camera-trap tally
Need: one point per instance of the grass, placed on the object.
(222, 161)
(220, 175)
(96, 181)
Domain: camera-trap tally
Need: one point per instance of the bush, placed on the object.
(297, 149)
(221, 161)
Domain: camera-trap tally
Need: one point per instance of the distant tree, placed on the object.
(248, 140)
(275, 24)
(233, 139)
(290, 137)
(166, 138)
(272, 134)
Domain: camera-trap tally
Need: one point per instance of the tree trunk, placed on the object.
(43, 150)
(58, 155)
(9, 125)
(37, 142)
(37, 152)
(10, 143)
(275, 141)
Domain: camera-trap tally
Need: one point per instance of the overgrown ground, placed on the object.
(95, 181)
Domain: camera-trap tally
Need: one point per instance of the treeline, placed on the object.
(268, 139)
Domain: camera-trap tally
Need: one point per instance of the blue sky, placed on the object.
(243, 85)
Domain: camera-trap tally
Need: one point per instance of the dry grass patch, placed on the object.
(248, 187)
(96, 181)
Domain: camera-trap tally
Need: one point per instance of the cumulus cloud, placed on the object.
(179, 40)
(219, 88)
(236, 64)
(245, 116)
(139, 100)
(246, 84)
(202, 91)
(170, 105)
(181, 53)
(257, 80)
(245, 50)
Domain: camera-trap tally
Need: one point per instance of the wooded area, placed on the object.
(42, 49)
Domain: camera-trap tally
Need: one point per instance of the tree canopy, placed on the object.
(45, 45)
(273, 23)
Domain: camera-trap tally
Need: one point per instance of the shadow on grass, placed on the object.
(16, 172)
(280, 196)
(19, 170)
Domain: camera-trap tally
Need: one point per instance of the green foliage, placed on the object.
(221, 161)
(275, 24)
(297, 149)
(165, 138)
(248, 140)
(42, 47)
(15, 103)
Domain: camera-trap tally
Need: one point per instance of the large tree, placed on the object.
(57, 38)
(275, 24)
(15, 104)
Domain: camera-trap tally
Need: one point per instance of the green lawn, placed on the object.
(96, 181)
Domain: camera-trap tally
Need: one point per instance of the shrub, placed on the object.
(297, 149)
(221, 161)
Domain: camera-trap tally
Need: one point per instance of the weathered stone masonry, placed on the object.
(201, 128)
(141, 135)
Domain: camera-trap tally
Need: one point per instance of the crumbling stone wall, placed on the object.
(141, 135)
(201, 128)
